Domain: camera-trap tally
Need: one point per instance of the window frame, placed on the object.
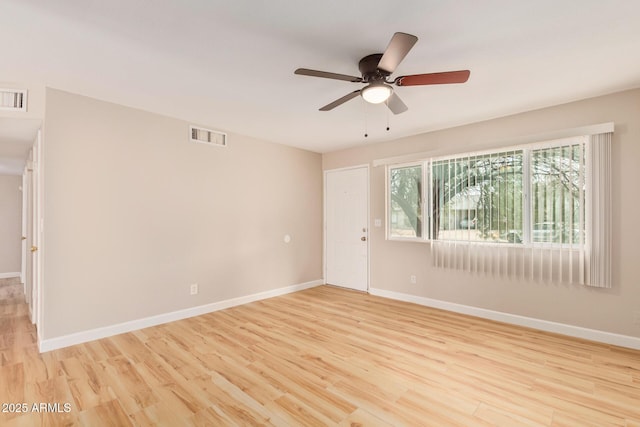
(427, 191)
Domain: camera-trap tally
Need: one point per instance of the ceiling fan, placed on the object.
(376, 69)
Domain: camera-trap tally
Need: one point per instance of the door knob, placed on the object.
(364, 239)
(34, 248)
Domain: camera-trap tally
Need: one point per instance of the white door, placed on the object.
(346, 228)
(36, 248)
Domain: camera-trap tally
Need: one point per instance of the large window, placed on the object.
(526, 195)
(539, 211)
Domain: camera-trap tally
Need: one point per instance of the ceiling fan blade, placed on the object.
(399, 46)
(433, 78)
(395, 104)
(341, 101)
(327, 75)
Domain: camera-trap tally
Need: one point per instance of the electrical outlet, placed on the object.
(413, 280)
(194, 288)
(636, 317)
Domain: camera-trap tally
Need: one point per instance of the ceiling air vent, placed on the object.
(13, 99)
(207, 136)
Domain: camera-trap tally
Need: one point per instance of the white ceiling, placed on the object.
(229, 64)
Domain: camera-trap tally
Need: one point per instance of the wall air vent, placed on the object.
(207, 136)
(13, 99)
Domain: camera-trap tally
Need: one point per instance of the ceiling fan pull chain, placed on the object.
(366, 132)
(387, 102)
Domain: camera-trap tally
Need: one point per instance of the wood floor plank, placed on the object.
(294, 412)
(497, 416)
(308, 392)
(12, 388)
(87, 395)
(133, 393)
(573, 419)
(160, 415)
(415, 408)
(323, 356)
(361, 418)
(237, 405)
(106, 414)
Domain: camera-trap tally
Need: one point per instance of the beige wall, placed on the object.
(393, 262)
(134, 214)
(10, 224)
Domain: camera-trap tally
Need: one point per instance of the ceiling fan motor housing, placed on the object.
(368, 66)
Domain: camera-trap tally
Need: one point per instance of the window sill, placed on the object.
(408, 239)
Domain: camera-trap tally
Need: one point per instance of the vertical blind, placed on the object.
(542, 214)
(599, 216)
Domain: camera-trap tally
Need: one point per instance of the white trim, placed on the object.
(133, 325)
(38, 236)
(24, 229)
(10, 275)
(409, 239)
(516, 141)
(529, 322)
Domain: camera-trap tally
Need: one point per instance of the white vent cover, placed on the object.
(207, 136)
(13, 99)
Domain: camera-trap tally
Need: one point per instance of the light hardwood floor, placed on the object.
(324, 356)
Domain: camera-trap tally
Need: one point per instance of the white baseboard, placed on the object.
(530, 322)
(9, 275)
(120, 328)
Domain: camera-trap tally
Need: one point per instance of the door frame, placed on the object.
(25, 229)
(324, 218)
(32, 229)
(37, 238)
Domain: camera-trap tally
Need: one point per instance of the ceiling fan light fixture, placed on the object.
(376, 93)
